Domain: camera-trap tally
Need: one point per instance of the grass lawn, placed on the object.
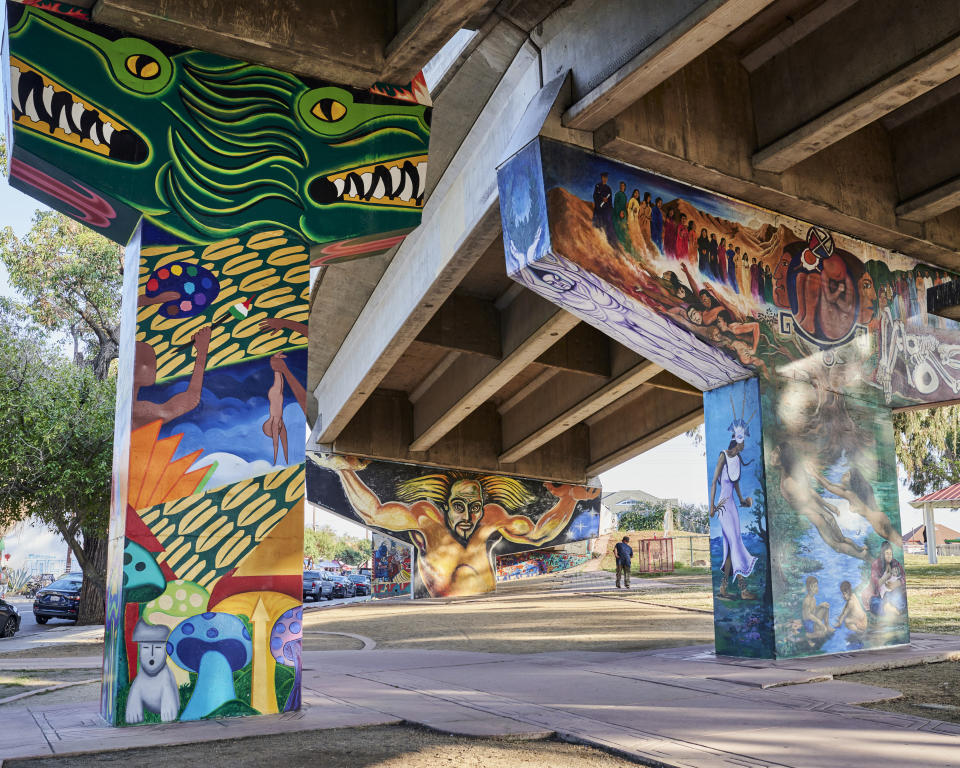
(933, 594)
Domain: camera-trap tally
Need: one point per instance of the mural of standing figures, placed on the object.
(827, 333)
(457, 521)
(226, 181)
(392, 567)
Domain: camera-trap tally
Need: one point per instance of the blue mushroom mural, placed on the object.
(214, 645)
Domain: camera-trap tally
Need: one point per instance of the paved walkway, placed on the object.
(680, 707)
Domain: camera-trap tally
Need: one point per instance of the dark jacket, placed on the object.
(623, 553)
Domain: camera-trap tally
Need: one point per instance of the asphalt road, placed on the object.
(28, 625)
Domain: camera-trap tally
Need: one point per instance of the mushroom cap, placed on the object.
(286, 636)
(221, 633)
(142, 578)
(179, 600)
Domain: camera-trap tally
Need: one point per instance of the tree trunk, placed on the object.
(92, 609)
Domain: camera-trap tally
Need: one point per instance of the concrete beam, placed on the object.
(926, 157)
(672, 383)
(424, 33)
(529, 326)
(892, 92)
(868, 61)
(464, 323)
(339, 42)
(583, 350)
(460, 221)
(539, 428)
(682, 43)
(698, 128)
(382, 429)
(643, 423)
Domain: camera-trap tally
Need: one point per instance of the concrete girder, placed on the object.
(344, 289)
(642, 420)
(529, 327)
(928, 181)
(698, 128)
(692, 34)
(853, 79)
(355, 43)
(465, 323)
(538, 427)
(462, 220)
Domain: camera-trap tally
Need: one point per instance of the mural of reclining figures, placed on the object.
(835, 330)
(227, 181)
(457, 521)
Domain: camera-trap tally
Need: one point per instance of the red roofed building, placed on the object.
(945, 498)
(918, 535)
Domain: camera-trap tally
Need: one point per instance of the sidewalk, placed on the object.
(680, 707)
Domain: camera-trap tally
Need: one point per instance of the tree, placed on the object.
(71, 280)
(643, 516)
(353, 551)
(56, 455)
(927, 447)
(320, 544)
(692, 517)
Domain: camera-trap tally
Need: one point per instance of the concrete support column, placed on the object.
(931, 531)
(805, 545)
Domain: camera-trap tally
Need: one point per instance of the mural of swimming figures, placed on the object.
(833, 333)
(226, 181)
(457, 521)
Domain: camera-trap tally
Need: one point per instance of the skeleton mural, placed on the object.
(834, 331)
(226, 181)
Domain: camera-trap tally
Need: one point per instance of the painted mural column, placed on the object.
(802, 340)
(226, 181)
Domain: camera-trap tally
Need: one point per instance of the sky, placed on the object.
(675, 469)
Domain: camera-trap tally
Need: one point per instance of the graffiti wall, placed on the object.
(522, 565)
(836, 332)
(227, 181)
(737, 500)
(392, 567)
(458, 522)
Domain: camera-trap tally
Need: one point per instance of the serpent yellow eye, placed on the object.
(328, 110)
(142, 66)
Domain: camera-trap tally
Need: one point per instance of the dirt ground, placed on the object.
(20, 681)
(382, 746)
(521, 623)
(57, 651)
(929, 690)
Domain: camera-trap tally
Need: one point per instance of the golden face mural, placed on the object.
(457, 521)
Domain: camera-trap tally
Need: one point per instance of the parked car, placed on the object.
(361, 582)
(9, 619)
(342, 586)
(60, 600)
(317, 584)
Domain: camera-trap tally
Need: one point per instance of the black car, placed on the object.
(60, 600)
(9, 619)
(361, 582)
(342, 586)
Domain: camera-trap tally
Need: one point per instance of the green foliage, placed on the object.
(284, 678)
(320, 544)
(56, 435)
(70, 278)
(643, 516)
(927, 447)
(692, 517)
(18, 579)
(326, 544)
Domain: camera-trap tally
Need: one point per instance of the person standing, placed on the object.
(5, 579)
(684, 230)
(623, 554)
(620, 213)
(603, 209)
(670, 234)
(656, 224)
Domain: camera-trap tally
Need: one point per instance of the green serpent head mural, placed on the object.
(109, 127)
